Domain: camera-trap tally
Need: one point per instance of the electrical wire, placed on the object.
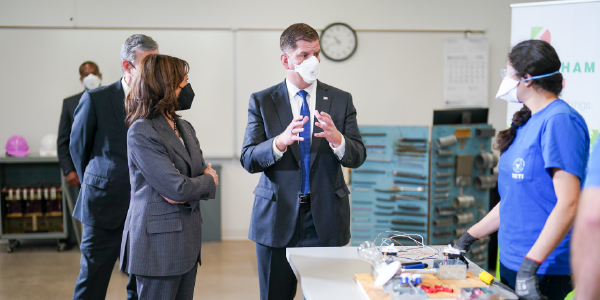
(422, 253)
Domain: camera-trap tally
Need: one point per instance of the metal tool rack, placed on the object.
(389, 191)
(30, 171)
(435, 189)
(461, 166)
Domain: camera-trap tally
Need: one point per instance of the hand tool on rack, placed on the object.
(408, 175)
(406, 189)
(412, 140)
(408, 213)
(409, 207)
(407, 230)
(376, 151)
(364, 182)
(378, 159)
(409, 182)
(404, 222)
(384, 213)
(374, 146)
(373, 134)
(370, 171)
(391, 199)
(410, 155)
(407, 197)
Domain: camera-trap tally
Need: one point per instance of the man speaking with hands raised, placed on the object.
(301, 199)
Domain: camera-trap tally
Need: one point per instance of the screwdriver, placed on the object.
(489, 280)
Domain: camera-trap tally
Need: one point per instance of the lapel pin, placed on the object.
(325, 98)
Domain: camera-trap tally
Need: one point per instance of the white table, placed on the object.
(327, 273)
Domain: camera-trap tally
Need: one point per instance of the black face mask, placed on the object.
(186, 97)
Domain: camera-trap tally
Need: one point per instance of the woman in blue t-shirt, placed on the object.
(543, 161)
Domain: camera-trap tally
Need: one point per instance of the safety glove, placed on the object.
(527, 285)
(465, 242)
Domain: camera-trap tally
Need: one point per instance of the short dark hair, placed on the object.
(86, 63)
(294, 33)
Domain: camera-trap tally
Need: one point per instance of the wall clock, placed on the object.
(338, 41)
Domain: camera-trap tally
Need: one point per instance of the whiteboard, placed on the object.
(40, 68)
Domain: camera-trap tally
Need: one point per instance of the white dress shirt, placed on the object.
(126, 87)
(296, 102)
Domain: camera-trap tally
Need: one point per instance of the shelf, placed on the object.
(34, 236)
(28, 159)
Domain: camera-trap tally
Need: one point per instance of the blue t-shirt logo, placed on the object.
(518, 167)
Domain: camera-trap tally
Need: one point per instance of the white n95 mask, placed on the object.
(508, 90)
(91, 82)
(308, 69)
(508, 87)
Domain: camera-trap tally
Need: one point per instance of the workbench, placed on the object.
(327, 273)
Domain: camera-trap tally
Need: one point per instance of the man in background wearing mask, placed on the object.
(301, 199)
(99, 152)
(91, 78)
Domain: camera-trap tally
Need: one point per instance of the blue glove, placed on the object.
(527, 285)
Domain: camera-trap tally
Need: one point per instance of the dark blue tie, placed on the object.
(305, 145)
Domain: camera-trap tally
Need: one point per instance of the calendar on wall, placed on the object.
(466, 62)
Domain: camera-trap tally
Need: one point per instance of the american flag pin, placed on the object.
(325, 98)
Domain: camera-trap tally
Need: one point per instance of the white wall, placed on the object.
(395, 78)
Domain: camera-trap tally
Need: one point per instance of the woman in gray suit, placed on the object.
(163, 230)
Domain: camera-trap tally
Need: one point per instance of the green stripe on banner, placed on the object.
(535, 31)
(593, 138)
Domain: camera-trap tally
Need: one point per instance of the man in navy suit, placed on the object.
(99, 152)
(301, 199)
(66, 121)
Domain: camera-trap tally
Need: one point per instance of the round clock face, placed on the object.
(338, 42)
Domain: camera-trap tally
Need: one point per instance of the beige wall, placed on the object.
(395, 78)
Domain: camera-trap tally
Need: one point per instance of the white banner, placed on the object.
(573, 29)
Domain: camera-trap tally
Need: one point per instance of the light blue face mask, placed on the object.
(508, 87)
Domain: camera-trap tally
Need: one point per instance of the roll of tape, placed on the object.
(444, 152)
(463, 201)
(486, 160)
(441, 211)
(447, 141)
(442, 222)
(464, 218)
(485, 182)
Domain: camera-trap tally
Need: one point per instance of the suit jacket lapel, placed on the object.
(320, 105)
(166, 131)
(284, 111)
(190, 145)
(118, 104)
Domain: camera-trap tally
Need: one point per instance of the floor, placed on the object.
(33, 272)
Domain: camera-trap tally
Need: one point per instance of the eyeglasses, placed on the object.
(503, 73)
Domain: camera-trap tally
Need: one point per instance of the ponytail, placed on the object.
(506, 137)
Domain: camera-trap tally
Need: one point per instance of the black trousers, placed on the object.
(100, 250)
(555, 287)
(275, 276)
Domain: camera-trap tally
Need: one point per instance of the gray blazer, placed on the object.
(159, 238)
